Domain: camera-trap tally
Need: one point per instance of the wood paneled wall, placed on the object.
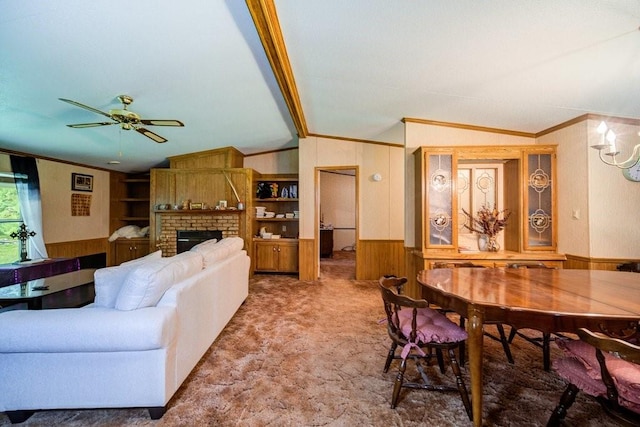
(585, 263)
(77, 248)
(307, 259)
(376, 258)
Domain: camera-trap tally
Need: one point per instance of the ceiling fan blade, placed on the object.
(90, 125)
(152, 122)
(86, 107)
(149, 134)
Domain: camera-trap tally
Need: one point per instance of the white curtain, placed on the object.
(25, 172)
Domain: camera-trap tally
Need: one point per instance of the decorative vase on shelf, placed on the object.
(493, 245)
(483, 242)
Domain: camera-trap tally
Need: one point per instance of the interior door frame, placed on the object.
(316, 223)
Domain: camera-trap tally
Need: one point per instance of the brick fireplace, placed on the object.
(171, 222)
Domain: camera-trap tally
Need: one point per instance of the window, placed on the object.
(10, 219)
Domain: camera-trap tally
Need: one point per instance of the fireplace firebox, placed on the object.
(186, 239)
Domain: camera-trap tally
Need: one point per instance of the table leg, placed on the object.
(475, 331)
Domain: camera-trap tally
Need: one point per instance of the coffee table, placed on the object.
(72, 289)
(549, 300)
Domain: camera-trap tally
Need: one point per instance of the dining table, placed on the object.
(548, 300)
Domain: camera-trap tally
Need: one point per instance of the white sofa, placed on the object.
(150, 323)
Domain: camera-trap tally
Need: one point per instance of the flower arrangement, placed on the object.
(487, 221)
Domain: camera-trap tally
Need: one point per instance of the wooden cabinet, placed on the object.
(276, 256)
(275, 209)
(326, 243)
(453, 181)
(497, 259)
(128, 249)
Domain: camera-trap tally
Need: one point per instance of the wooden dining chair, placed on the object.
(543, 341)
(501, 337)
(415, 330)
(605, 368)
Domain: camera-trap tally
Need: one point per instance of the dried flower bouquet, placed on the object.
(488, 221)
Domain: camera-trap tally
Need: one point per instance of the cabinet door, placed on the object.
(539, 200)
(288, 257)
(266, 255)
(436, 201)
(124, 251)
(141, 248)
(129, 249)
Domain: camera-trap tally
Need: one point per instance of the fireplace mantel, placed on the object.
(198, 211)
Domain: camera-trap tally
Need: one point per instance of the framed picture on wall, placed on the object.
(80, 182)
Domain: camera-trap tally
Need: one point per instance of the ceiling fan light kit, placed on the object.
(126, 119)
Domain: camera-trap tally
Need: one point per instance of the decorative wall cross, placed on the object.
(23, 234)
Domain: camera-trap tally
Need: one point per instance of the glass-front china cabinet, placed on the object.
(512, 183)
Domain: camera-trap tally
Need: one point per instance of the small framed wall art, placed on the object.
(80, 182)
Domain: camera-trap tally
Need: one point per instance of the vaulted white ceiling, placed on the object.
(359, 66)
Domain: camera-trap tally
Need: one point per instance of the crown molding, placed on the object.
(468, 127)
(365, 141)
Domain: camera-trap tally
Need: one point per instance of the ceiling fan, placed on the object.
(126, 119)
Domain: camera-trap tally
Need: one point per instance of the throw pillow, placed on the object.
(147, 282)
(212, 254)
(201, 245)
(153, 255)
(108, 281)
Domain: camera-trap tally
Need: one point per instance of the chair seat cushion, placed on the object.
(431, 326)
(626, 375)
(573, 371)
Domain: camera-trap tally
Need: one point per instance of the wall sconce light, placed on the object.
(608, 148)
(376, 177)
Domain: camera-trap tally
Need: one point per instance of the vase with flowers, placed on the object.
(488, 222)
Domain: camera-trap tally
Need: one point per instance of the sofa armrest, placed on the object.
(94, 329)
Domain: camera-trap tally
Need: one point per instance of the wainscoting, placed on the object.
(77, 248)
(584, 263)
(374, 258)
(308, 259)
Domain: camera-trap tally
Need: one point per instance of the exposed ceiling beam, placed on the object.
(266, 21)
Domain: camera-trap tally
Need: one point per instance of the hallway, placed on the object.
(341, 266)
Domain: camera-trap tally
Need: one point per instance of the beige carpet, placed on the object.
(311, 354)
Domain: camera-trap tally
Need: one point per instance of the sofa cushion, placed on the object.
(147, 282)
(96, 329)
(213, 253)
(201, 245)
(234, 243)
(108, 281)
(149, 257)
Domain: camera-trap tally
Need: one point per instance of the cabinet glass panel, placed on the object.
(440, 199)
(540, 198)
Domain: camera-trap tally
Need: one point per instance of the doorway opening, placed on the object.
(337, 222)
